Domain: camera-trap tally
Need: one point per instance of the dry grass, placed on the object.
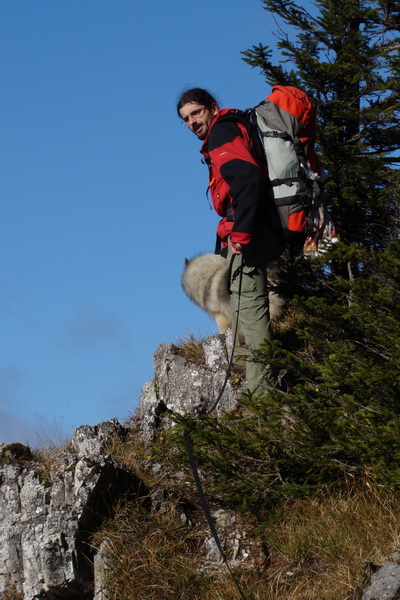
(132, 452)
(190, 347)
(327, 545)
(11, 593)
(145, 462)
(151, 556)
(287, 323)
(320, 549)
(50, 459)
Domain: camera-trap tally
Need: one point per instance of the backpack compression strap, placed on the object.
(283, 135)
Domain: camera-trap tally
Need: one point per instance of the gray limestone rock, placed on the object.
(185, 386)
(49, 512)
(385, 583)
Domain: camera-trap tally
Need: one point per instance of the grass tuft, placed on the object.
(190, 347)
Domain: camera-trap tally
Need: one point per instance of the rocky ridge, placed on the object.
(50, 509)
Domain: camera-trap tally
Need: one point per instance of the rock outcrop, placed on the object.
(50, 508)
(188, 386)
(385, 583)
(48, 513)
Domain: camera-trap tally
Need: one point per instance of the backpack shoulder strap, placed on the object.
(248, 119)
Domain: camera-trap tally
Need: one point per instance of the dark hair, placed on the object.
(197, 95)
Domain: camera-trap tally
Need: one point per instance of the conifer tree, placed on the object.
(346, 55)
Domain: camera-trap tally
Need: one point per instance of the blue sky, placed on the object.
(103, 195)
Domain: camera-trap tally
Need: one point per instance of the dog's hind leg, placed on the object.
(222, 322)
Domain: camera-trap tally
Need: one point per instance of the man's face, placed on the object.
(198, 118)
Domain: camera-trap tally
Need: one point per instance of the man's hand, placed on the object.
(236, 248)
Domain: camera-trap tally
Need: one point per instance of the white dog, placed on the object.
(205, 281)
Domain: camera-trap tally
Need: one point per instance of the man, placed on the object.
(237, 183)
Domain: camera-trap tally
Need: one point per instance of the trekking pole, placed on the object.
(189, 444)
(206, 509)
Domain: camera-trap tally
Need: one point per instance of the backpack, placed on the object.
(286, 125)
(282, 129)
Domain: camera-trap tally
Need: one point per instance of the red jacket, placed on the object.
(236, 179)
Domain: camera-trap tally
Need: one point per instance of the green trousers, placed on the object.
(250, 305)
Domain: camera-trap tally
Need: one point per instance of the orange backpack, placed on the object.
(286, 125)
